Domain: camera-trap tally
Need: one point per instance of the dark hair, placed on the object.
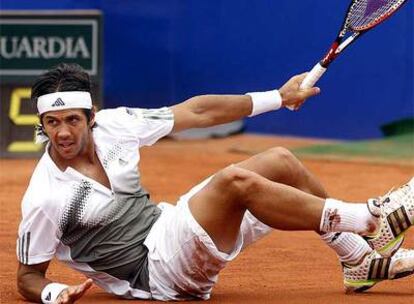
(61, 78)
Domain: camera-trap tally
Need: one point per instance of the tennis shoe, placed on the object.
(374, 268)
(395, 213)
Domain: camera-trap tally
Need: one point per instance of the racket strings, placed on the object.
(364, 14)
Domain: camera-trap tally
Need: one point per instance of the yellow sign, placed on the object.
(22, 120)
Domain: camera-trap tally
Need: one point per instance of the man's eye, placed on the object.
(51, 122)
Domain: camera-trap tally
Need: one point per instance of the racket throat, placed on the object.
(336, 48)
(347, 42)
(331, 55)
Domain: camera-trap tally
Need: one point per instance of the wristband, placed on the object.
(265, 102)
(51, 292)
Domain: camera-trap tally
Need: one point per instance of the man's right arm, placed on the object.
(210, 110)
(31, 280)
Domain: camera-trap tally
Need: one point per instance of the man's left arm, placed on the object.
(209, 110)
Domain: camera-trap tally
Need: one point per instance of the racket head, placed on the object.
(365, 14)
(361, 16)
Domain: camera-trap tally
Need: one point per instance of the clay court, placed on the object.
(285, 267)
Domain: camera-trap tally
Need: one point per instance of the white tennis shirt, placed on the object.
(56, 202)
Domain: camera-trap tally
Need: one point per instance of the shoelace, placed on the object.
(393, 195)
(399, 193)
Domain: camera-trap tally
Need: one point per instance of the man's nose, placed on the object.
(63, 131)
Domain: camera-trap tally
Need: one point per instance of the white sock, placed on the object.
(349, 247)
(338, 216)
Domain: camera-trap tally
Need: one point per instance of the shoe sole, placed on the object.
(403, 274)
(358, 286)
(361, 286)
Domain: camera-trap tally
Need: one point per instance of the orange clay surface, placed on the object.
(285, 267)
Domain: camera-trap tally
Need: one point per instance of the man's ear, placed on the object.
(40, 125)
(92, 121)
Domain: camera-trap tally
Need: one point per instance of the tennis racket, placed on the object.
(362, 15)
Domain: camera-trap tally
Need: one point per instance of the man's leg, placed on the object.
(280, 165)
(219, 208)
(234, 190)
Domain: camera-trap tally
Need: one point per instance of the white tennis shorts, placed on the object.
(183, 261)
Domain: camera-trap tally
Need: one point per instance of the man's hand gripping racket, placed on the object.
(292, 95)
(362, 15)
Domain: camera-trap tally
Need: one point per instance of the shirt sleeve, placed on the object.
(37, 240)
(152, 124)
(145, 125)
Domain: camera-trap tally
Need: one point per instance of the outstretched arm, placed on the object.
(209, 110)
(31, 281)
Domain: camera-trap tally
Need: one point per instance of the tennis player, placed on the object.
(86, 207)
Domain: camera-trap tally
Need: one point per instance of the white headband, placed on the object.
(64, 100)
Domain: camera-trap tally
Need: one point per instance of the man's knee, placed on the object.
(289, 169)
(281, 154)
(294, 172)
(236, 181)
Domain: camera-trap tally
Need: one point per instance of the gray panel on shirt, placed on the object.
(114, 244)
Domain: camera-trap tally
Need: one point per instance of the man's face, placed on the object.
(68, 131)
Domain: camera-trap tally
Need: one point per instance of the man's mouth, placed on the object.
(66, 146)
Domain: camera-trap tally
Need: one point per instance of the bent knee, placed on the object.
(286, 160)
(282, 154)
(237, 180)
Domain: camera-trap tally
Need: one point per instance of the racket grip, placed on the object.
(310, 79)
(313, 76)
